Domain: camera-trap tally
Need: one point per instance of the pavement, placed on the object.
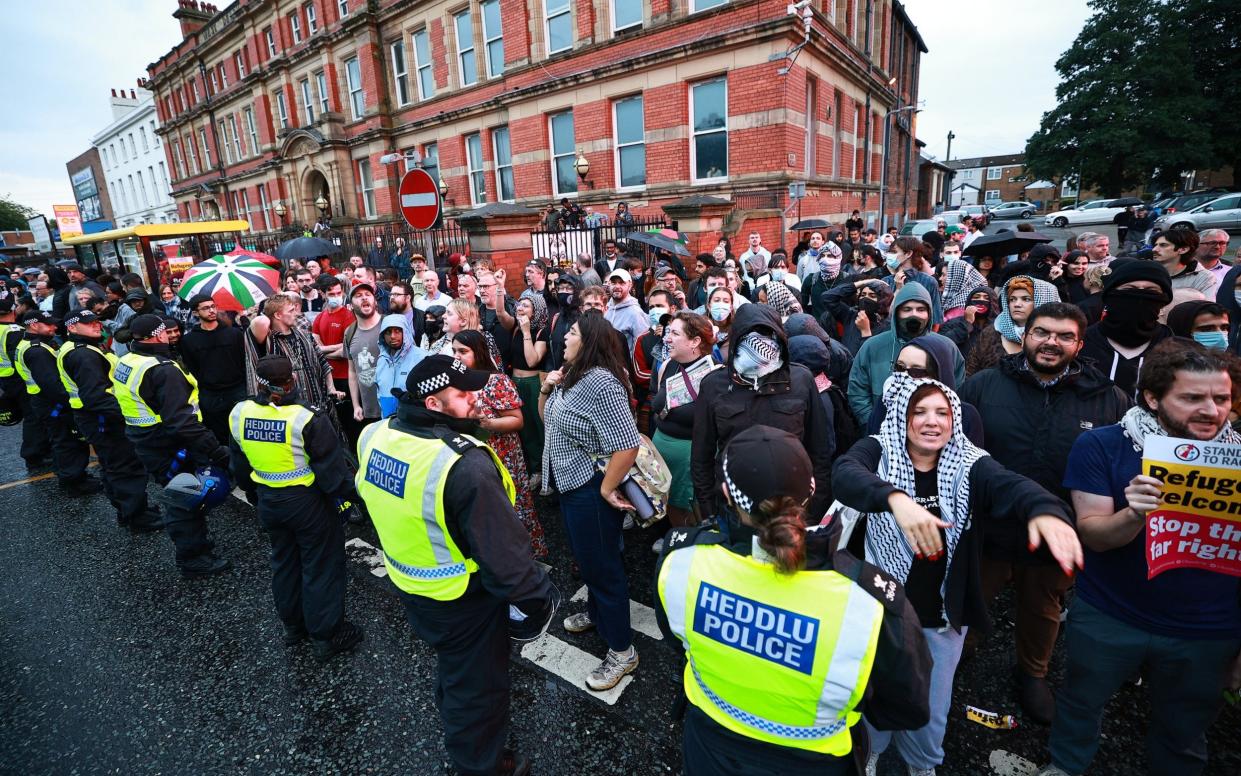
(111, 663)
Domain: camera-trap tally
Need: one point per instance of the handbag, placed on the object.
(647, 484)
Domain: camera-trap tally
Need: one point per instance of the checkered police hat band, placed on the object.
(743, 501)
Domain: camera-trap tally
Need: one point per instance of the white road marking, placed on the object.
(641, 617)
(1008, 764)
(369, 555)
(571, 664)
(240, 495)
(418, 200)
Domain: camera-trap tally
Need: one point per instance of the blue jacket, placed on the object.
(394, 366)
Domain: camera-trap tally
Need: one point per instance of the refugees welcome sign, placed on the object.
(1198, 524)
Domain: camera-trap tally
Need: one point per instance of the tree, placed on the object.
(1130, 109)
(14, 215)
(1215, 28)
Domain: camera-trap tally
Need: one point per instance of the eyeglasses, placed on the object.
(916, 372)
(1213, 242)
(1040, 334)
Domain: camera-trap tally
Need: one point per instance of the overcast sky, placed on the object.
(989, 76)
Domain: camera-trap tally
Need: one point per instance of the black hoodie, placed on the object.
(787, 399)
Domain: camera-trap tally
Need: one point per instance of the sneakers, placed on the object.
(294, 634)
(204, 566)
(1051, 770)
(513, 764)
(658, 546)
(347, 637)
(612, 670)
(578, 623)
(1035, 697)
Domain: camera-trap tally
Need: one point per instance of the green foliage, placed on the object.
(14, 215)
(1131, 108)
(1214, 26)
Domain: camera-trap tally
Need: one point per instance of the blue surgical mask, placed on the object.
(655, 314)
(892, 261)
(777, 274)
(1212, 340)
(720, 310)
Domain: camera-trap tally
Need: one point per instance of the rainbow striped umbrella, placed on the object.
(234, 282)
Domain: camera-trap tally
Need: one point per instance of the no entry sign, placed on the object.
(420, 199)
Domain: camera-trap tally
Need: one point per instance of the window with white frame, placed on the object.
(493, 37)
(194, 87)
(178, 159)
(154, 135)
(142, 188)
(467, 65)
(133, 149)
(474, 163)
(809, 155)
(252, 131)
(502, 151)
(226, 148)
(400, 72)
(240, 64)
(994, 173)
(163, 176)
(702, 5)
(263, 205)
(154, 185)
(308, 103)
(312, 19)
(857, 143)
(142, 135)
(422, 65)
(431, 161)
(353, 81)
(630, 134)
(344, 8)
(321, 88)
(189, 146)
(709, 146)
(282, 109)
(245, 204)
(559, 25)
(367, 186)
(295, 25)
(271, 49)
(206, 149)
(215, 85)
(564, 177)
(223, 76)
(993, 195)
(232, 129)
(626, 14)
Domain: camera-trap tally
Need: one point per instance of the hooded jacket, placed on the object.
(627, 318)
(938, 353)
(1030, 427)
(874, 360)
(841, 305)
(786, 399)
(966, 334)
(394, 367)
(1226, 296)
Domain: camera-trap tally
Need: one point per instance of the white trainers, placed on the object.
(612, 670)
(578, 623)
(658, 546)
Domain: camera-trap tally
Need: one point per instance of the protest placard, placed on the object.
(1198, 523)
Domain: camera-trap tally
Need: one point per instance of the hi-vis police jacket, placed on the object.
(86, 372)
(168, 392)
(792, 660)
(263, 426)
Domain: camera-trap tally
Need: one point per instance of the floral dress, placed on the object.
(499, 396)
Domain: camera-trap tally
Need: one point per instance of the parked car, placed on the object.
(1220, 213)
(1014, 210)
(978, 212)
(1193, 199)
(1100, 211)
(921, 226)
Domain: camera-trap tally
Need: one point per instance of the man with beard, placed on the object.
(1034, 406)
(1133, 294)
(911, 318)
(361, 346)
(86, 372)
(214, 352)
(1181, 628)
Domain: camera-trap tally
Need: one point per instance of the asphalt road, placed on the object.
(111, 663)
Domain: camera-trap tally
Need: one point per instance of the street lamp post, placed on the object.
(951, 172)
(883, 178)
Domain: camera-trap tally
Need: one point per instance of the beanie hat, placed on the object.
(1122, 271)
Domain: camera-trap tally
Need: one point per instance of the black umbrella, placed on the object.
(657, 240)
(1125, 202)
(809, 223)
(306, 248)
(1005, 243)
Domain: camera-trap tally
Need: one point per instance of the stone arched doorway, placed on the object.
(315, 189)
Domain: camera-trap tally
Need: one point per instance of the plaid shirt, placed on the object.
(590, 420)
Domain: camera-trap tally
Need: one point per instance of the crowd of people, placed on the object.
(959, 421)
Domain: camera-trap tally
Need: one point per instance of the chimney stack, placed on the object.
(114, 93)
(192, 15)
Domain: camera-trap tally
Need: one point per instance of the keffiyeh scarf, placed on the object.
(539, 321)
(1044, 293)
(886, 545)
(960, 280)
(1139, 422)
(781, 299)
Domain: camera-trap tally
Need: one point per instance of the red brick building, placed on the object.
(270, 102)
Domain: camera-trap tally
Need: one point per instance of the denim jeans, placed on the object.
(594, 528)
(1186, 679)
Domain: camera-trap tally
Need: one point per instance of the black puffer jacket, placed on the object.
(786, 399)
(1030, 428)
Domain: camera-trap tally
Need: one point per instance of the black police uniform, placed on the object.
(895, 698)
(100, 422)
(307, 541)
(70, 453)
(36, 443)
(166, 391)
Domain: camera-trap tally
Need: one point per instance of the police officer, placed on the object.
(287, 456)
(36, 446)
(788, 642)
(160, 404)
(49, 403)
(442, 504)
(86, 373)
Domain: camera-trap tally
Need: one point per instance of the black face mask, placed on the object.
(1131, 316)
(565, 299)
(981, 308)
(434, 329)
(871, 308)
(911, 327)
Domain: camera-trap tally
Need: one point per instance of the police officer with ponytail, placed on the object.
(286, 455)
(86, 373)
(788, 642)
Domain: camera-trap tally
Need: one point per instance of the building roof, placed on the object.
(899, 8)
(923, 159)
(1003, 160)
